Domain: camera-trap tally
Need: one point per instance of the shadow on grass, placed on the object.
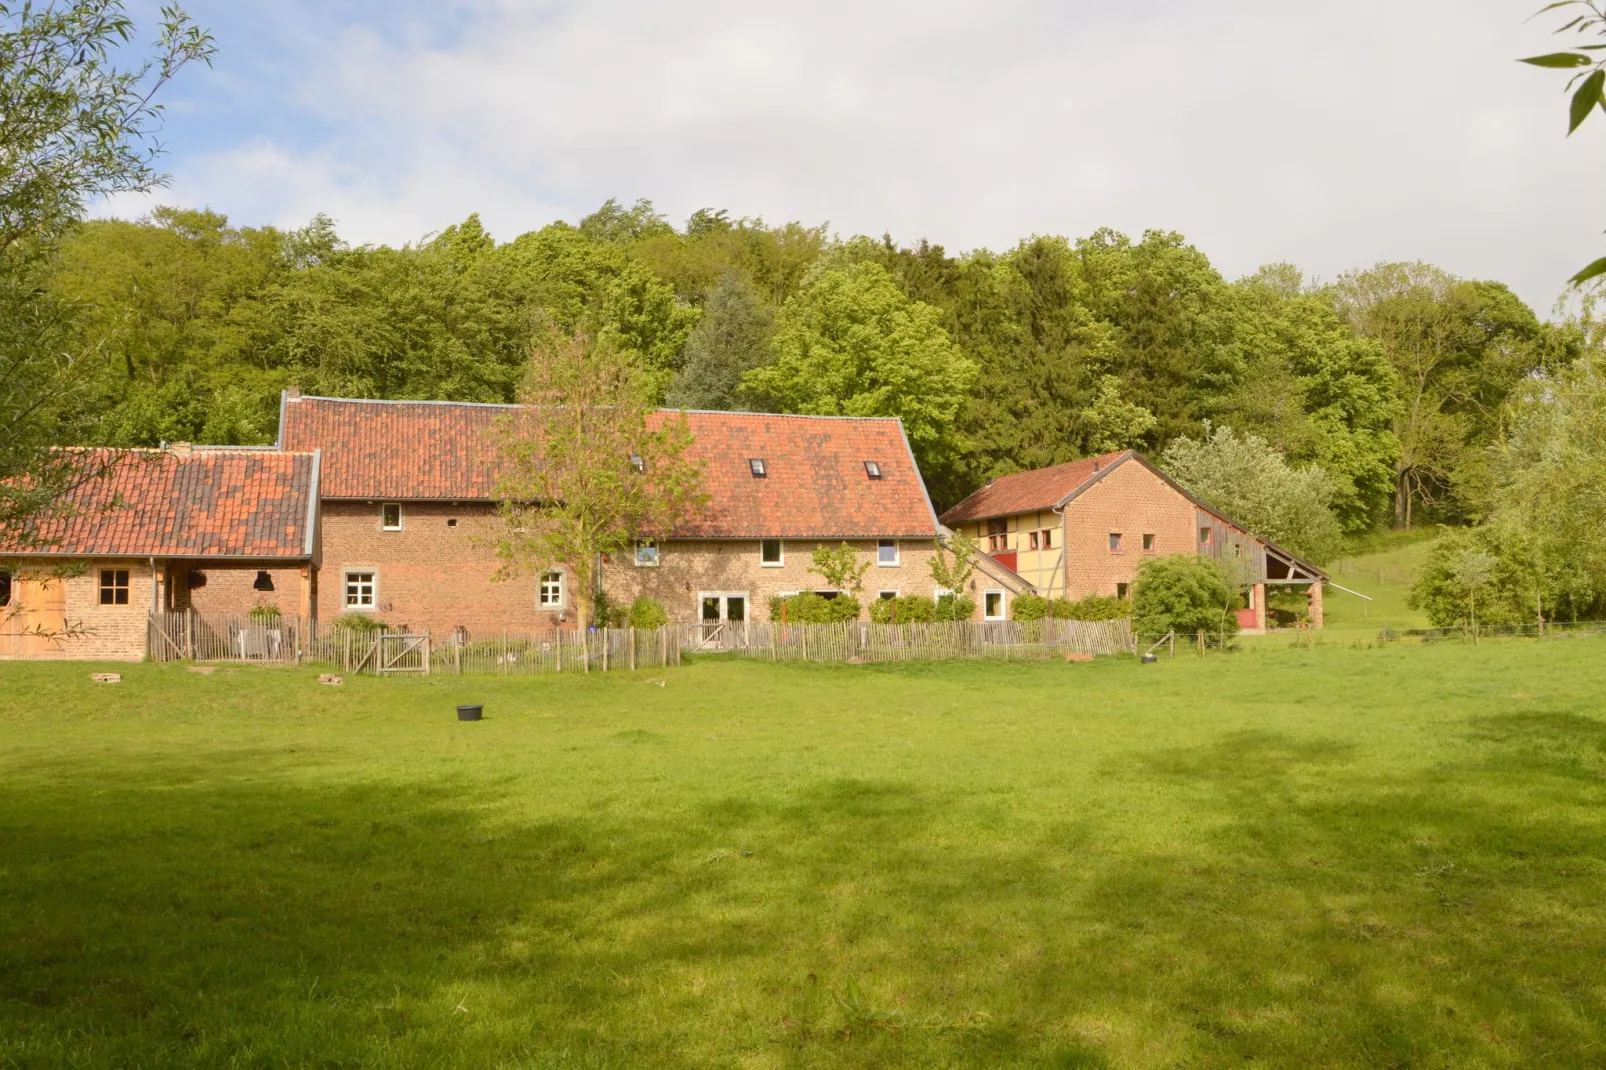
(1317, 917)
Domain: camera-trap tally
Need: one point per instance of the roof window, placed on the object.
(757, 467)
(872, 469)
(637, 462)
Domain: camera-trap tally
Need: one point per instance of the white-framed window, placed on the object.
(390, 516)
(886, 594)
(771, 553)
(938, 592)
(757, 466)
(872, 469)
(993, 606)
(362, 589)
(549, 591)
(646, 553)
(886, 552)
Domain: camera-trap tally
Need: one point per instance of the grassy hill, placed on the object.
(1382, 566)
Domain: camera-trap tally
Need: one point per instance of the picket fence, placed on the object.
(293, 640)
(857, 641)
(287, 640)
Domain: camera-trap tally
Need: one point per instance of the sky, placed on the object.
(1333, 136)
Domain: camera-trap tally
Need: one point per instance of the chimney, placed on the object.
(292, 392)
(181, 450)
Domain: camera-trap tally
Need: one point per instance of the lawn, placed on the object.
(1299, 857)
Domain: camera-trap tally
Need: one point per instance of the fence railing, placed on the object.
(858, 641)
(289, 640)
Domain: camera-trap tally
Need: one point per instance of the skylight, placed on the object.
(872, 469)
(757, 467)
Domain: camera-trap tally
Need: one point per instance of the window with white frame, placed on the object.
(993, 607)
(390, 516)
(361, 589)
(549, 594)
(771, 553)
(646, 553)
(886, 552)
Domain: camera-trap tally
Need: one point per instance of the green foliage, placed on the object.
(731, 339)
(840, 567)
(1254, 485)
(905, 609)
(951, 607)
(359, 623)
(647, 613)
(264, 614)
(1470, 577)
(1184, 593)
(1029, 607)
(1093, 607)
(811, 608)
(953, 562)
(850, 343)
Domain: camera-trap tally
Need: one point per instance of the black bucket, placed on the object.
(469, 713)
(1148, 659)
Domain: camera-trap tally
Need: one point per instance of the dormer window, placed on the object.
(757, 467)
(637, 462)
(872, 469)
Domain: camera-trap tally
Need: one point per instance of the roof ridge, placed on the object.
(521, 405)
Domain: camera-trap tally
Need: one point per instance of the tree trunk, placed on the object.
(1402, 502)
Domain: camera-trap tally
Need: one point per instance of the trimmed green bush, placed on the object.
(1029, 607)
(264, 614)
(361, 623)
(909, 609)
(1186, 594)
(810, 608)
(955, 607)
(1093, 607)
(647, 613)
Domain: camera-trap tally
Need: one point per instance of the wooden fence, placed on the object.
(857, 641)
(291, 640)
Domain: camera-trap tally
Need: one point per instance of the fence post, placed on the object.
(605, 644)
(631, 632)
(428, 636)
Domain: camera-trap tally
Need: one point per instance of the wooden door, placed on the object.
(37, 606)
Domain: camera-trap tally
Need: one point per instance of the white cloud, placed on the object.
(1330, 135)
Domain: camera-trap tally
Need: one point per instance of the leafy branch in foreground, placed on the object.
(1588, 83)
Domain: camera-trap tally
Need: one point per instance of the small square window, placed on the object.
(993, 605)
(886, 552)
(451, 522)
(1121, 590)
(1031, 541)
(757, 467)
(1204, 536)
(360, 590)
(1115, 542)
(550, 593)
(390, 516)
(872, 469)
(1148, 542)
(114, 587)
(771, 553)
(646, 553)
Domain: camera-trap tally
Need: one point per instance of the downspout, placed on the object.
(1062, 564)
(155, 589)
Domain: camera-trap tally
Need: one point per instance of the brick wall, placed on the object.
(688, 569)
(1133, 501)
(228, 590)
(103, 633)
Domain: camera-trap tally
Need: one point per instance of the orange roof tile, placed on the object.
(816, 486)
(211, 502)
(1025, 492)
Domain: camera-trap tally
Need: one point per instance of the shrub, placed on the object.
(360, 623)
(1186, 594)
(955, 607)
(264, 614)
(810, 608)
(647, 613)
(909, 609)
(1093, 607)
(605, 613)
(1029, 607)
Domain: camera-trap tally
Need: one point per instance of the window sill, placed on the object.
(772, 564)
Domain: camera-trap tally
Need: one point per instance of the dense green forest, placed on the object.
(1390, 379)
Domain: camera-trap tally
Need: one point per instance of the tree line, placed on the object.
(1389, 381)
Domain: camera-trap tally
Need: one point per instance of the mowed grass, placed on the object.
(1328, 857)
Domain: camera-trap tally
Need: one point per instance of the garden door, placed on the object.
(723, 615)
(36, 619)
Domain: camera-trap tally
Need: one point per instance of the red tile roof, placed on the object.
(250, 503)
(1025, 492)
(816, 485)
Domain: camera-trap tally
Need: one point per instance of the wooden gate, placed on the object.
(402, 653)
(35, 623)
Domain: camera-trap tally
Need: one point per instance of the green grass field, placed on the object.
(1362, 857)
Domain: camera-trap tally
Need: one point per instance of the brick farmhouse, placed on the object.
(1082, 528)
(389, 508)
